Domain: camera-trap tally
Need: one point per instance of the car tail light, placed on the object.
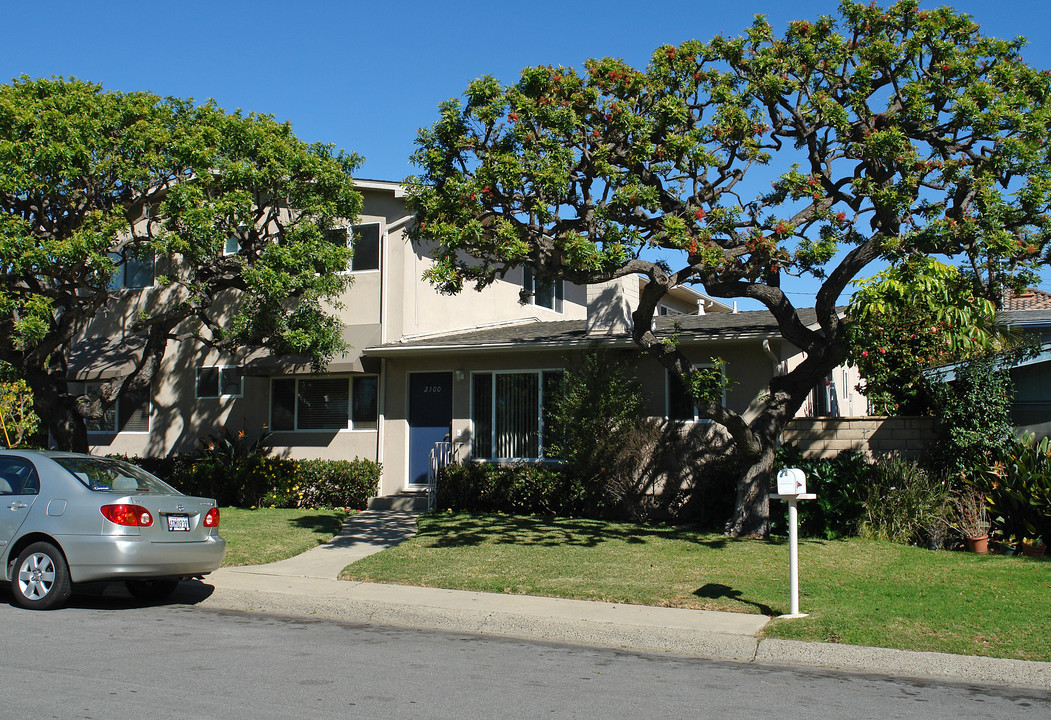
(211, 518)
(129, 515)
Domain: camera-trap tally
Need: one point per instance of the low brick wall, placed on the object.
(825, 437)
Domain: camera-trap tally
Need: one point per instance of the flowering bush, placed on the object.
(913, 316)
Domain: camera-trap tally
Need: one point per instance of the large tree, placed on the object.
(885, 132)
(232, 208)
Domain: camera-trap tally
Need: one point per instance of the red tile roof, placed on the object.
(1031, 299)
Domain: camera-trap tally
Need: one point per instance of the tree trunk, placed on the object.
(58, 410)
(751, 516)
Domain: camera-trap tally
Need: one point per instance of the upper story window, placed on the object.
(232, 246)
(324, 403)
(665, 310)
(131, 413)
(221, 381)
(366, 245)
(510, 413)
(544, 292)
(678, 402)
(133, 270)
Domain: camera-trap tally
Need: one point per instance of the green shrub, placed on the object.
(519, 488)
(337, 483)
(597, 414)
(975, 417)
(839, 483)
(263, 481)
(1019, 490)
(906, 503)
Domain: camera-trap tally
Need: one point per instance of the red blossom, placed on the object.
(699, 213)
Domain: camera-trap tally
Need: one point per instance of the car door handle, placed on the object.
(17, 505)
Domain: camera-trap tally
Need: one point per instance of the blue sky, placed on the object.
(366, 75)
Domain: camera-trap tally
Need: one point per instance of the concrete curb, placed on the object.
(305, 586)
(688, 633)
(971, 669)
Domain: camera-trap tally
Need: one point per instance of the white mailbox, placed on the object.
(791, 481)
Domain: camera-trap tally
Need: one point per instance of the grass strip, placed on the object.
(856, 591)
(266, 535)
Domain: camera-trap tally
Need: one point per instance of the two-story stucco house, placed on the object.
(476, 367)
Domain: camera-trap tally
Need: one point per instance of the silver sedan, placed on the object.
(67, 518)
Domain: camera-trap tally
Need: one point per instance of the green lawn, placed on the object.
(856, 591)
(270, 534)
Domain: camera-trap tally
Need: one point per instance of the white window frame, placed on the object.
(349, 229)
(558, 291)
(351, 380)
(124, 260)
(696, 415)
(113, 413)
(492, 442)
(221, 384)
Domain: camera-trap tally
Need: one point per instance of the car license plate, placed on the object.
(180, 523)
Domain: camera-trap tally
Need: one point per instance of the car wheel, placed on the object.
(151, 590)
(41, 577)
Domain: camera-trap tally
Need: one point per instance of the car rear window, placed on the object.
(108, 475)
(18, 477)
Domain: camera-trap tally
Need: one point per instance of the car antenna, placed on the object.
(7, 437)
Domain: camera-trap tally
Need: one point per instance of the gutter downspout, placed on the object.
(770, 354)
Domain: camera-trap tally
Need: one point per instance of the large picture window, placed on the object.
(510, 413)
(324, 403)
(131, 413)
(545, 293)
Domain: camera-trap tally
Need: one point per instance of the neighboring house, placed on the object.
(477, 367)
(1028, 314)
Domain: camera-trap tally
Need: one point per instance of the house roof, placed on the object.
(1025, 318)
(1031, 299)
(1004, 361)
(546, 335)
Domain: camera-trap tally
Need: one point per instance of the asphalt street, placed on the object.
(106, 656)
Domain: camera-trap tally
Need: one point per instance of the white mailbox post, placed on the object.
(791, 487)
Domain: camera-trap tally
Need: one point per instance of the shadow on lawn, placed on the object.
(715, 591)
(463, 530)
(318, 524)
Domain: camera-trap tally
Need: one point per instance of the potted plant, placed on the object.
(972, 519)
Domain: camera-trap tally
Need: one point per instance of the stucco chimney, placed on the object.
(610, 305)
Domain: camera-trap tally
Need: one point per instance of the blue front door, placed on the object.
(430, 419)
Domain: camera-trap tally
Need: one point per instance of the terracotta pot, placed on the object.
(978, 544)
(1034, 550)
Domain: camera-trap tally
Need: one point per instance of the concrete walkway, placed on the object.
(307, 585)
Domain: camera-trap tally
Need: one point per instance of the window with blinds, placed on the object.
(509, 413)
(130, 414)
(324, 403)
